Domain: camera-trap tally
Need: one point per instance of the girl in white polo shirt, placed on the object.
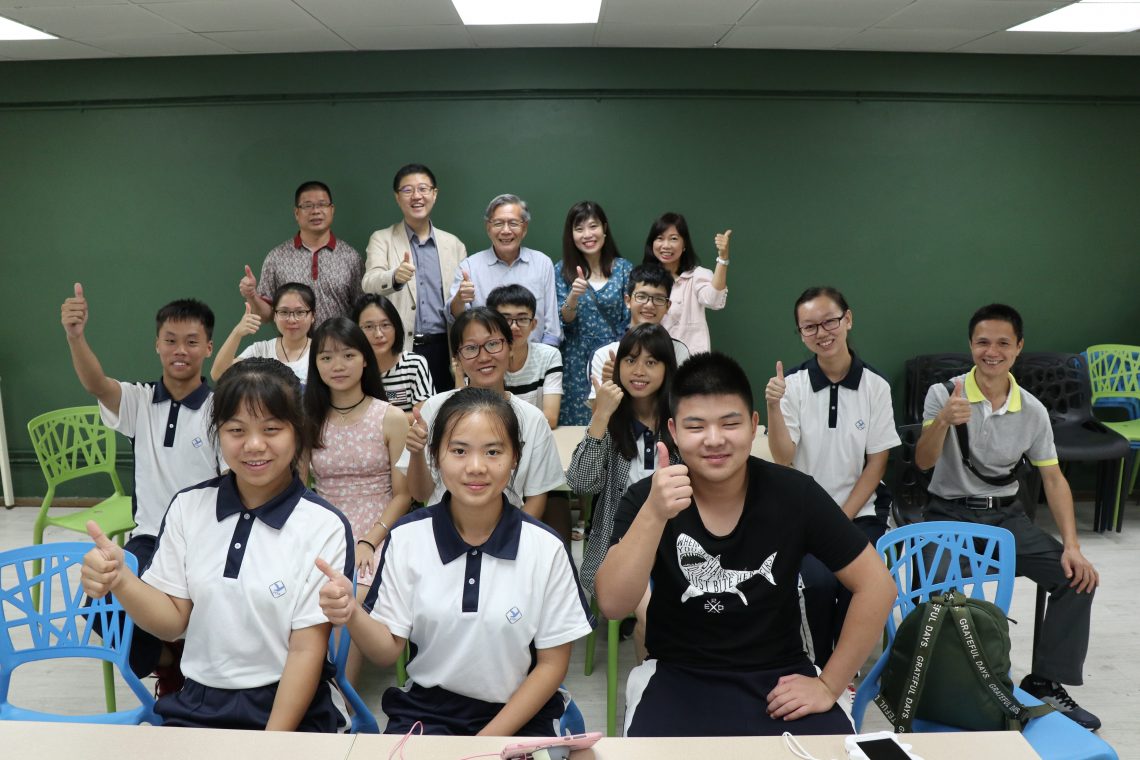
(832, 418)
(485, 594)
(233, 573)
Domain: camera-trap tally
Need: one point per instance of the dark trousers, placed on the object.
(438, 356)
(1064, 635)
(826, 599)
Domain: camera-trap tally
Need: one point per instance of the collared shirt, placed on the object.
(532, 269)
(332, 271)
(171, 442)
(998, 439)
(474, 614)
(693, 293)
(431, 309)
(643, 466)
(836, 425)
(250, 575)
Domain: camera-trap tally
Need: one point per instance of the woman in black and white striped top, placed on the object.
(407, 380)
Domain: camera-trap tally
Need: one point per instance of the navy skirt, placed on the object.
(198, 706)
(445, 713)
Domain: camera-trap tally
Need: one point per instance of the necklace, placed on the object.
(281, 342)
(344, 410)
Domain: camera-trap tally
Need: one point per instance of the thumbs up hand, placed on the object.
(466, 292)
(578, 287)
(671, 492)
(73, 313)
(608, 396)
(721, 241)
(776, 387)
(103, 566)
(336, 598)
(250, 323)
(957, 408)
(406, 270)
(608, 368)
(417, 438)
(247, 286)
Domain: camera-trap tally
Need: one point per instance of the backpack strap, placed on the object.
(919, 664)
(963, 437)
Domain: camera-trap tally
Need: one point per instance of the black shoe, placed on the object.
(1054, 694)
(625, 629)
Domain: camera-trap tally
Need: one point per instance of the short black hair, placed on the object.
(389, 309)
(186, 310)
(467, 401)
(689, 258)
(512, 295)
(407, 169)
(480, 315)
(312, 184)
(709, 374)
(649, 274)
(262, 386)
(1000, 312)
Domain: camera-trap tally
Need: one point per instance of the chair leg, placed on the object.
(614, 636)
(109, 687)
(592, 637)
(1038, 617)
(402, 668)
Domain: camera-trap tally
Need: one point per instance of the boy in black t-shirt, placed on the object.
(721, 538)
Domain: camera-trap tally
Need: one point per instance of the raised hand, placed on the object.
(73, 313)
(466, 292)
(417, 438)
(774, 390)
(336, 598)
(671, 492)
(608, 396)
(103, 566)
(578, 287)
(247, 286)
(608, 368)
(250, 323)
(957, 408)
(406, 270)
(721, 241)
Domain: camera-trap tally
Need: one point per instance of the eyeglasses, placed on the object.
(514, 224)
(493, 346)
(523, 322)
(323, 205)
(830, 324)
(408, 190)
(293, 313)
(644, 298)
(369, 327)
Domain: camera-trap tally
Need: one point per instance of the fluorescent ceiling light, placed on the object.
(501, 12)
(1087, 16)
(10, 30)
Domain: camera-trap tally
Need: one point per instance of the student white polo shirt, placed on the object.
(602, 355)
(473, 613)
(171, 443)
(836, 425)
(250, 574)
(539, 469)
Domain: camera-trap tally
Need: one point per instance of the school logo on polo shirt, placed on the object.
(514, 615)
(277, 589)
(860, 424)
(198, 443)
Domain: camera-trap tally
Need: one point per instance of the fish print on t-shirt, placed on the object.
(705, 574)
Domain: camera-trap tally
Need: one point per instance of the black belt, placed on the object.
(986, 502)
(427, 340)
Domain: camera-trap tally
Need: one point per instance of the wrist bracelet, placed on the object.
(366, 543)
(719, 260)
(384, 525)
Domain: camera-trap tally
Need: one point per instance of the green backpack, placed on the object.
(958, 680)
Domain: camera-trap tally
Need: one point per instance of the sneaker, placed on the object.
(1054, 694)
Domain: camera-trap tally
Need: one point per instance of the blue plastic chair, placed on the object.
(572, 722)
(60, 626)
(979, 561)
(363, 721)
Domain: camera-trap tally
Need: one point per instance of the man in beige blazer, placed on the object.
(412, 262)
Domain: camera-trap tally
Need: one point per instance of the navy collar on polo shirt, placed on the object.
(193, 400)
(273, 513)
(331, 245)
(819, 380)
(503, 542)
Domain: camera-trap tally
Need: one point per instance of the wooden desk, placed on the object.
(1008, 745)
(566, 438)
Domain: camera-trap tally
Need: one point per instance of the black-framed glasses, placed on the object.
(322, 206)
(293, 313)
(644, 298)
(523, 322)
(493, 346)
(408, 190)
(831, 324)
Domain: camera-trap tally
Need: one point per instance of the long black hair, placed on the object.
(340, 331)
(654, 340)
(572, 258)
(689, 259)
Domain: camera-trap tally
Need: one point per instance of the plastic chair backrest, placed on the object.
(934, 557)
(73, 443)
(1059, 381)
(61, 625)
(924, 371)
(909, 483)
(363, 721)
(1114, 371)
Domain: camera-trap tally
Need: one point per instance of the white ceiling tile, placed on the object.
(1041, 43)
(1119, 44)
(794, 37)
(281, 41)
(910, 40)
(824, 13)
(163, 45)
(653, 35)
(45, 50)
(673, 12)
(339, 14)
(407, 37)
(230, 16)
(95, 22)
(980, 15)
(533, 35)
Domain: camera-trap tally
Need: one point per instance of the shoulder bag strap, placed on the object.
(919, 664)
(963, 437)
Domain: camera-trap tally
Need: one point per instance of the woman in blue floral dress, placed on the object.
(591, 295)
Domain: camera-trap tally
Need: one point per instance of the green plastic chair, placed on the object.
(1114, 373)
(69, 444)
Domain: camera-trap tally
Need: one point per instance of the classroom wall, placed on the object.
(922, 185)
